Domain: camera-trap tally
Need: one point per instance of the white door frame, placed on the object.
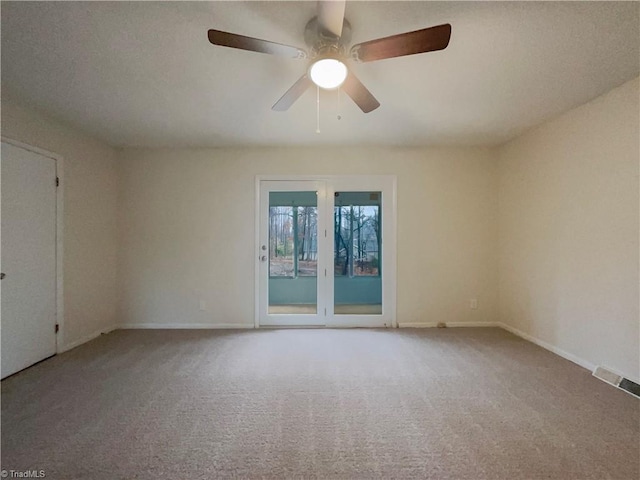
(60, 337)
(384, 183)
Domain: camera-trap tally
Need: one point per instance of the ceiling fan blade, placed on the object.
(410, 43)
(331, 16)
(291, 95)
(359, 94)
(226, 39)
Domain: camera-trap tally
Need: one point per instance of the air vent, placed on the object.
(632, 387)
(618, 381)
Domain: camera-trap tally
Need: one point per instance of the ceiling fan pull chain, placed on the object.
(317, 109)
(340, 103)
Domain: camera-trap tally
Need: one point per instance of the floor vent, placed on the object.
(632, 387)
(617, 381)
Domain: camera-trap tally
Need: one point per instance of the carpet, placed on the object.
(466, 403)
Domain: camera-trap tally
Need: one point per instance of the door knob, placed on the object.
(263, 258)
(2, 275)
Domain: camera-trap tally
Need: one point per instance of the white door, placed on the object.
(361, 280)
(28, 259)
(292, 225)
(326, 252)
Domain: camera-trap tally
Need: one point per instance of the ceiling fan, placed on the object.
(327, 36)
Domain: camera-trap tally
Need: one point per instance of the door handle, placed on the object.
(2, 275)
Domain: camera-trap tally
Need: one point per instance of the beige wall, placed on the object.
(187, 229)
(90, 194)
(568, 203)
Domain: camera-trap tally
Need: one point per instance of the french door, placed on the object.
(326, 252)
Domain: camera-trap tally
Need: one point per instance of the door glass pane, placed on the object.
(357, 253)
(293, 252)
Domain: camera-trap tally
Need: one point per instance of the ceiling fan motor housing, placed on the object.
(323, 44)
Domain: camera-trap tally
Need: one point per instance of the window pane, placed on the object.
(293, 252)
(280, 242)
(307, 245)
(365, 240)
(357, 248)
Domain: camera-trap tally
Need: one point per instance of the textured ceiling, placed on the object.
(144, 74)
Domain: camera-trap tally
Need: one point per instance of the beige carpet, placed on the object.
(440, 404)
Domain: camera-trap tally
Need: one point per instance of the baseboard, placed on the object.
(447, 324)
(185, 326)
(547, 346)
(86, 338)
(471, 324)
(417, 325)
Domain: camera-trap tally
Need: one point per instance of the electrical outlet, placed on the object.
(473, 304)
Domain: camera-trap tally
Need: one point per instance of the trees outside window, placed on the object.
(357, 240)
(293, 241)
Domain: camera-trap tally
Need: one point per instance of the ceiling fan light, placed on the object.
(328, 73)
